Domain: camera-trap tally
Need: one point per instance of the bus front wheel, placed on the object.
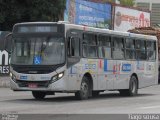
(133, 88)
(38, 95)
(83, 93)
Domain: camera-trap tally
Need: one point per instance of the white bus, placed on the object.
(49, 57)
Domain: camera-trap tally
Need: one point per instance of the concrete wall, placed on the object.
(4, 81)
(148, 1)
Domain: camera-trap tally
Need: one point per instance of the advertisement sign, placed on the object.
(88, 13)
(127, 18)
(4, 56)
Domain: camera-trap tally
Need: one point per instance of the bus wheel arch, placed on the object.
(133, 87)
(88, 75)
(86, 82)
(134, 74)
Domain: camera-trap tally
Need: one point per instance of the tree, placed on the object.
(14, 11)
(122, 2)
(127, 2)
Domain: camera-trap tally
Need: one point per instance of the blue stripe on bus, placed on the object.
(105, 65)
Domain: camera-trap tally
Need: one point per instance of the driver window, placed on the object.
(22, 49)
(74, 48)
(19, 49)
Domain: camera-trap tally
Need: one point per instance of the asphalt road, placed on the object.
(147, 101)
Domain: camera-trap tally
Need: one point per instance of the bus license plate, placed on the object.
(32, 85)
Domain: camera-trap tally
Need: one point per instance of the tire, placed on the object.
(83, 93)
(38, 95)
(133, 88)
(159, 76)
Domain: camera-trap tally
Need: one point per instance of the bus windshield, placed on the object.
(38, 51)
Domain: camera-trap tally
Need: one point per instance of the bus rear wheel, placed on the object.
(38, 95)
(83, 93)
(133, 88)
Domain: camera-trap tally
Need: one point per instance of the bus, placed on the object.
(49, 57)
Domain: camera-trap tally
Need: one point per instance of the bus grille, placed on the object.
(31, 69)
(40, 84)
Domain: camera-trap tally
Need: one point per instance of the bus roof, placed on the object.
(93, 29)
(113, 32)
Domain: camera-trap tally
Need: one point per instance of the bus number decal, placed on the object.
(126, 67)
(90, 66)
(23, 77)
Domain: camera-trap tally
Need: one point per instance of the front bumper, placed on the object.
(59, 85)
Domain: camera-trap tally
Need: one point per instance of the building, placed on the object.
(153, 6)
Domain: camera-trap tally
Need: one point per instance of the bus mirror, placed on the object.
(8, 43)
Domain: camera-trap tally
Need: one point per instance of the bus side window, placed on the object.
(90, 45)
(92, 51)
(73, 51)
(85, 50)
(151, 50)
(130, 48)
(118, 50)
(74, 47)
(104, 48)
(141, 50)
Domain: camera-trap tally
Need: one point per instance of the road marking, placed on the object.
(149, 107)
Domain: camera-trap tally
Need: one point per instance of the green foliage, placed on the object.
(122, 2)
(127, 2)
(14, 11)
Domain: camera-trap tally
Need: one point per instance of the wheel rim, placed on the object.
(84, 89)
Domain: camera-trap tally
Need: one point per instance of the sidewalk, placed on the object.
(4, 81)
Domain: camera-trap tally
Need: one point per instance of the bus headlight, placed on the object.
(10, 74)
(57, 77)
(13, 77)
(54, 78)
(60, 75)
